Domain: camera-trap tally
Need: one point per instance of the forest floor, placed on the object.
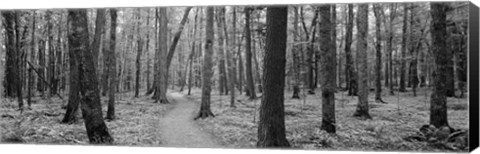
(390, 124)
(137, 122)
(140, 122)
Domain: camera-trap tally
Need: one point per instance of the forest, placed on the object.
(359, 76)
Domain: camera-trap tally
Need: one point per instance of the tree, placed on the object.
(404, 48)
(248, 56)
(161, 58)
(295, 51)
(99, 27)
(222, 86)
(78, 41)
(438, 107)
(2, 69)
(13, 80)
(207, 71)
(112, 70)
(138, 64)
(190, 64)
(230, 60)
(349, 66)
(31, 58)
(271, 127)
(51, 77)
(378, 50)
(362, 59)
(328, 69)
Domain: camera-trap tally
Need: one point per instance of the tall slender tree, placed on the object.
(138, 63)
(328, 69)
(362, 60)
(349, 66)
(378, 50)
(207, 71)
(271, 127)
(112, 63)
(404, 48)
(248, 56)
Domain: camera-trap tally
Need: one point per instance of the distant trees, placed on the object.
(271, 127)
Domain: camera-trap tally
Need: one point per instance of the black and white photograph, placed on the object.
(359, 76)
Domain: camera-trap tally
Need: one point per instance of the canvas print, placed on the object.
(346, 76)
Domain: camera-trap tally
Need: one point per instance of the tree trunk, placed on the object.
(78, 40)
(271, 127)
(404, 48)
(362, 59)
(51, 55)
(99, 27)
(112, 63)
(415, 37)
(31, 58)
(192, 54)
(390, 76)
(207, 72)
(327, 68)
(378, 49)
(138, 63)
(222, 86)
(438, 107)
(230, 60)
(12, 56)
(349, 67)
(295, 51)
(160, 95)
(249, 73)
(147, 50)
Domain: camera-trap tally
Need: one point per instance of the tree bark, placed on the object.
(99, 27)
(271, 127)
(51, 54)
(404, 48)
(295, 51)
(230, 61)
(438, 107)
(78, 40)
(362, 60)
(192, 54)
(138, 63)
(378, 51)
(222, 86)
(328, 69)
(112, 63)
(349, 67)
(12, 80)
(31, 58)
(207, 72)
(160, 95)
(250, 85)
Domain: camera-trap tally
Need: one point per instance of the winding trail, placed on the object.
(178, 128)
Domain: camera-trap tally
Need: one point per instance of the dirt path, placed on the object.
(179, 129)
